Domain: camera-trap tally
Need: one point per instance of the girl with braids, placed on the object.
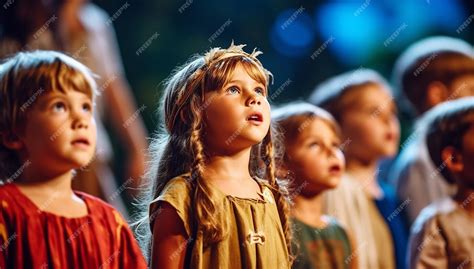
(216, 201)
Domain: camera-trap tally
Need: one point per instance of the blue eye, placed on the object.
(59, 107)
(233, 90)
(260, 91)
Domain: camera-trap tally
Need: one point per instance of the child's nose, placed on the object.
(80, 120)
(80, 123)
(253, 99)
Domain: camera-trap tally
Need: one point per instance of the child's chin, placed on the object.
(332, 182)
(82, 162)
(390, 152)
(254, 138)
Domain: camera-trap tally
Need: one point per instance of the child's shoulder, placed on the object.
(97, 205)
(429, 215)
(6, 190)
(179, 186)
(99, 209)
(7, 196)
(177, 193)
(332, 222)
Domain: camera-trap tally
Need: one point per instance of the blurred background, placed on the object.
(304, 42)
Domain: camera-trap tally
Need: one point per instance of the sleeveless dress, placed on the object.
(255, 238)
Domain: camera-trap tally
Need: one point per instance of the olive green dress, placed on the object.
(255, 238)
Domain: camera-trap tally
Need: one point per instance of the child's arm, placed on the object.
(169, 243)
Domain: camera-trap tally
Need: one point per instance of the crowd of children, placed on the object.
(234, 183)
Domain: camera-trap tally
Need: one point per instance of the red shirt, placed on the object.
(32, 238)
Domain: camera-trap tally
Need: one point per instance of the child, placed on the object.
(442, 236)
(429, 72)
(85, 31)
(216, 202)
(47, 130)
(361, 103)
(315, 162)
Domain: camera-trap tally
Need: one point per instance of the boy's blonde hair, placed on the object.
(180, 149)
(23, 79)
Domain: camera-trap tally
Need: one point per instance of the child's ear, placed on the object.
(436, 93)
(12, 141)
(453, 159)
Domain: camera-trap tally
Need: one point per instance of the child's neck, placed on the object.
(465, 198)
(47, 183)
(365, 172)
(230, 174)
(230, 166)
(53, 193)
(308, 209)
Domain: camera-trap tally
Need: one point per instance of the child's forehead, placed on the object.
(243, 73)
(316, 127)
(45, 96)
(373, 93)
(49, 93)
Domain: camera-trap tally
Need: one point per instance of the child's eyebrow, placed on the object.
(49, 96)
(242, 82)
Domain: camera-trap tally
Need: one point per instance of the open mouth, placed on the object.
(255, 118)
(335, 169)
(81, 142)
(389, 136)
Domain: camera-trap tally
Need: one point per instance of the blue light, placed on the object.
(356, 29)
(292, 33)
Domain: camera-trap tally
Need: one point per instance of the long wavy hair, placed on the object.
(178, 148)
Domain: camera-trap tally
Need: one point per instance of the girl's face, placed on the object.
(315, 158)
(237, 116)
(370, 126)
